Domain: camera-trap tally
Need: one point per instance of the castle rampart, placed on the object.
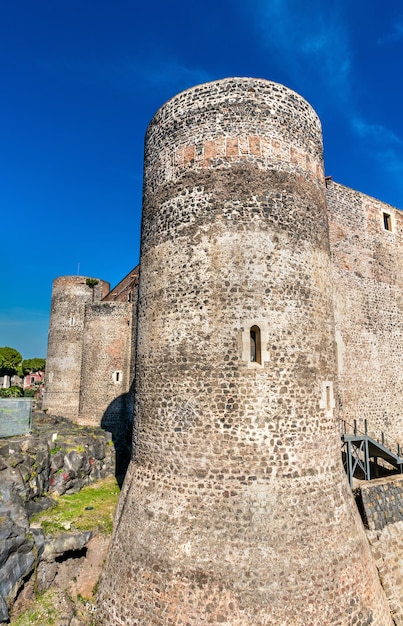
(366, 238)
(106, 363)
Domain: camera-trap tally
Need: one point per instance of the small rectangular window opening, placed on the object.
(387, 221)
(255, 345)
(328, 406)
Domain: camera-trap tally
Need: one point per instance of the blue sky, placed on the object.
(80, 81)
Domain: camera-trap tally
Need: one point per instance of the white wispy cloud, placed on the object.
(312, 42)
(385, 145)
(310, 38)
(395, 34)
(128, 75)
(393, 162)
(375, 132)
(169, 72)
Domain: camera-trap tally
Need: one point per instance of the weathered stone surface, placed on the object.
(387, 549)
(382, 501)
(86, 323)
(62, 379)
(367, 276)
(65, 542)
(38, 505)
(46, 573)
(236, 509)
(240, 229)
(28, 471)
(12, 573)
(3, 610)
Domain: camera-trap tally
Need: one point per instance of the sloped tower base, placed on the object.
(235, 509)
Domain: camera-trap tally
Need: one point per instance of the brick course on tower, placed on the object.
(256, 312)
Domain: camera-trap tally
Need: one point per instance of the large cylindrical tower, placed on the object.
(235, 509)
(70, 294)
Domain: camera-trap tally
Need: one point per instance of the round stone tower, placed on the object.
(236, 509)
(70, 294)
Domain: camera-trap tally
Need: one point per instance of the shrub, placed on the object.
(11, 392)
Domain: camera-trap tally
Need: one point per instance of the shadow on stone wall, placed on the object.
(118, 420)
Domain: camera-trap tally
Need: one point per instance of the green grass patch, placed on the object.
(92, 508)
(42, 612)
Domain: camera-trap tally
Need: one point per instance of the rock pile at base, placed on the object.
(57, 458)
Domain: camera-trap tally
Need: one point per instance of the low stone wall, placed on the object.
(387, 551)
(382, 501)
(381, 504)
(58, 457)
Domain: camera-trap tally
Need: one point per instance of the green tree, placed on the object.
(10, 361)
(91, 282)
(33, 365)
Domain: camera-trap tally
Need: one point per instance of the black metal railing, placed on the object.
(359, 447)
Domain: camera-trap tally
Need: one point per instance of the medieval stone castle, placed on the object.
(267, 308)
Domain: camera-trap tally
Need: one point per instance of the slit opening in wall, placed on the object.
(117, 377)
(328, 402)
(387, 221)
(255, 345)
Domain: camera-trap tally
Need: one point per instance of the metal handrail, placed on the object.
(384, 441)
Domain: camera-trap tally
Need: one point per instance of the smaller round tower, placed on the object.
(70, 294)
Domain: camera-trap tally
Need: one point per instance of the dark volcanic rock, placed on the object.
(57, 457)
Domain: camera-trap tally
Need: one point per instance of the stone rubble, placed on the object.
(57, 458)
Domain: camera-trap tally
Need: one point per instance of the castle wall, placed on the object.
(70, 294)
(236, 509)
(126, 289)
(382, 501)
(367, 265)
(106, 362)
(106, 392)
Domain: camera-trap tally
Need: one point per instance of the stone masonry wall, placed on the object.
(126, 289)
(106, 392)
(65, 342)
(90, 359)
(235, 508)
(382, 501)
(382, 504)
(367, 265)
(106, 363)
(387, 549)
